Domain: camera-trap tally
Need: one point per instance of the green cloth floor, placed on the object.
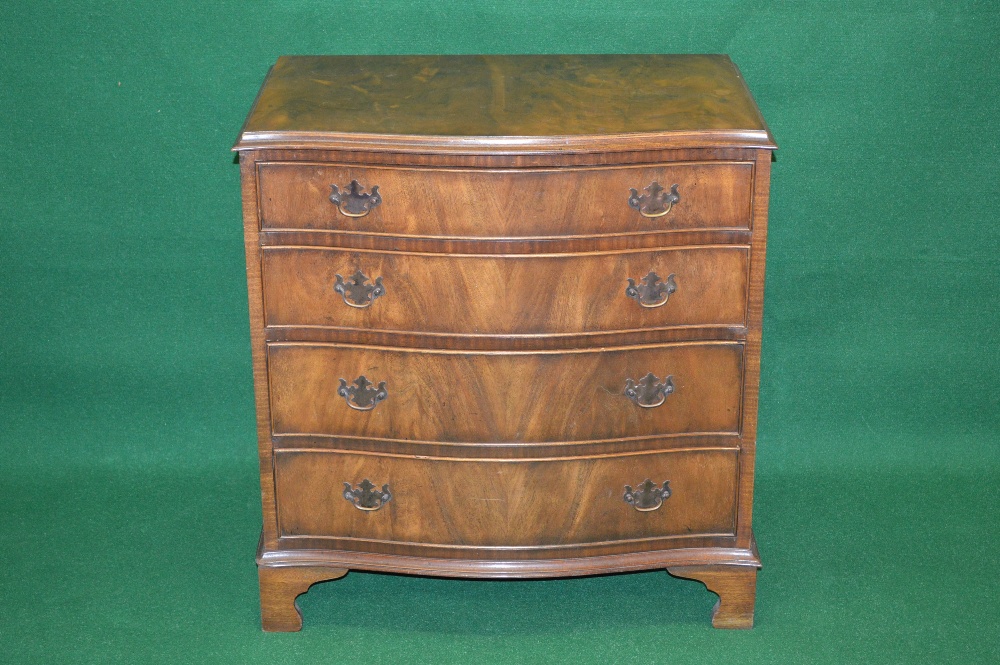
(130, 505)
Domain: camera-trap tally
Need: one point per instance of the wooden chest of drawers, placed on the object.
(506, 318)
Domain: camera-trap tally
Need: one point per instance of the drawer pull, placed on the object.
(647, 497)
(357, 292)
(649, 392)
(354, 202)
(650, 292)
(363, 395)
(366, 496)
(656, 202)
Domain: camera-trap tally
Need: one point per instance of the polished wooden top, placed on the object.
(505, 103)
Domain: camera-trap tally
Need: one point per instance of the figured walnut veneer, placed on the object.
(505, 396)
(469, 504)
(508, 103)
(505, 204)
(530, 294)
(526, 353)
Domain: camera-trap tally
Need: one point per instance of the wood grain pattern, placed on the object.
(531, 504)
(503, 102)
(642, 153)
(258, 350)
(281, 585)
(505, 450)
(503, 397)
(622, 557)
(565, 245)
(505, 203)
(755, 320)
(505, 295)
(736, 587)
(478, 342)
(504, 239)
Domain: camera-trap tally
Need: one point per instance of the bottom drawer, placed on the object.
(505, 503)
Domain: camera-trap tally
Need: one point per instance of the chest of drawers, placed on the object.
(506, 318)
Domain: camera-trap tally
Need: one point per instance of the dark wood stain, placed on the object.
(504, 240)
(505, 204)
(469, 504)
(506, 396)
(527, 294)
(504, 96)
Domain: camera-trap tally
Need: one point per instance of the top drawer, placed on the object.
(505, 203)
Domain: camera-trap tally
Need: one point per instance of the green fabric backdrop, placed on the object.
(130, 505)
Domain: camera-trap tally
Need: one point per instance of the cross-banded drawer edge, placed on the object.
(505, 203)
(527, 503)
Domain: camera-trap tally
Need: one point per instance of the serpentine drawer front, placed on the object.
(528, 294)
(530, 396)
(506, 319)
(438, 502)
(481, 203)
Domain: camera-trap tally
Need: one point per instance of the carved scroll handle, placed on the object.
(355, 202)
(650, 291)
(656, 202)
(649, 392)
(357, 292)
(647, 497)
(363, 395)
(366, 496)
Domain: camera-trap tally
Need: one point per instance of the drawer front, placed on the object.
(471, 396)
(526, 294)
(504, 203)
(506, 504)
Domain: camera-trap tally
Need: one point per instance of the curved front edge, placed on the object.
(730, 573)
(513, 569)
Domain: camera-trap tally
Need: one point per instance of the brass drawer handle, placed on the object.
(363, 395)
(656, 202)
(354, 202)
(650, 292)
(647, 497)
(366, 496)
(649, 392)
(357, 292)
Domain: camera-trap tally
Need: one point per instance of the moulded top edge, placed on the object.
(518, 104)
(512, 145)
